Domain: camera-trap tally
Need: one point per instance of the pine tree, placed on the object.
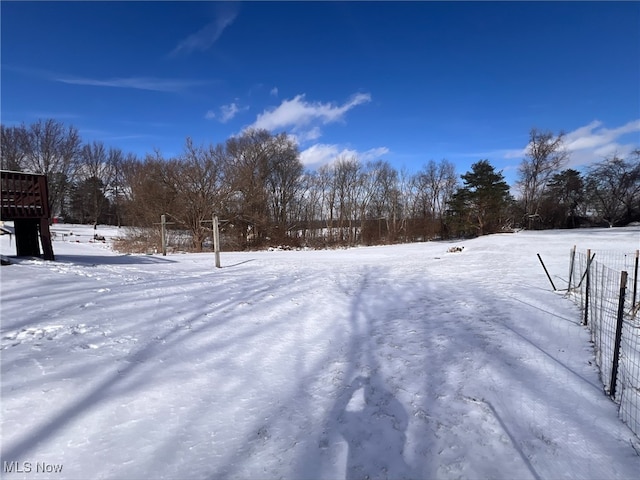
(562, 200)
(481, 205)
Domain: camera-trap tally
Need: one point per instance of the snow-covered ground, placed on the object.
(380, 362)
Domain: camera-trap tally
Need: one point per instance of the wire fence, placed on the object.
(605, 285)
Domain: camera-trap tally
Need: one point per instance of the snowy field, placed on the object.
(379, 362)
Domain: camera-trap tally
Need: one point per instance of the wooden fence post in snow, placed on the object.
(215, 231)
(163, 234)
(216, 240)
(618, 340)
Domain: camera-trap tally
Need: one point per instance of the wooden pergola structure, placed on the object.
(25, 200)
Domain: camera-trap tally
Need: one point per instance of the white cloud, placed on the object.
(510, 153)
(592, 143)
(309, 135)
(227, 112)
(322, 154)
(204, 38)
(319, 154)
(374, 153)
(230, 111)
(297, 114)
(139, 83)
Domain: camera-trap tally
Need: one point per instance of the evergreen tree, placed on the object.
(562, 199)
(481, 205)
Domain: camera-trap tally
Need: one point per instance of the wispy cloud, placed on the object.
(274, 92)
(226, 113)
(204, 38)
(138, 83)
(323, 154)
(309, 135)
(56, 115)
(147, 124)
(592, 143)
(155, 84)
(230, 111)
(304, 118)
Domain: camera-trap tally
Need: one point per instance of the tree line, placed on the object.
(257, 185)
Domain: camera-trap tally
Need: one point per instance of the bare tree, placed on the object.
(434, 186)
(325, 182)
(283, 182)
(52, 149)
(385, 198)
(613, 186)
(404, 202)
(117, 158)
(12, 142)
(246, 170)
(545, 157)
(146, 190)
(197, 179)
(308, 205)
(347, 184)
(94, 179)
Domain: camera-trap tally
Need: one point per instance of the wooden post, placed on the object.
(618, 340)
(163, 233)
(571, 264)
(45, 239)
(216, 240)
(545, 271)
(586, 288)
(26, 230)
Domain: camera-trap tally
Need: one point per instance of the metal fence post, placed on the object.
(586, 289)
(635, 282)
(571, 264)
(546, 271)
(618, 340)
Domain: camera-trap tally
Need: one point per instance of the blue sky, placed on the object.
(405, 82)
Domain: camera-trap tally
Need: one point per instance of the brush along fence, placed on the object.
(605, 286)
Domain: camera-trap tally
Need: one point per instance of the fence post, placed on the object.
(545, 271)
(163, 233)
(589, 260)
(586, 288)
(573, 259)
(618, 340)
(216, 240)
(635, 282)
